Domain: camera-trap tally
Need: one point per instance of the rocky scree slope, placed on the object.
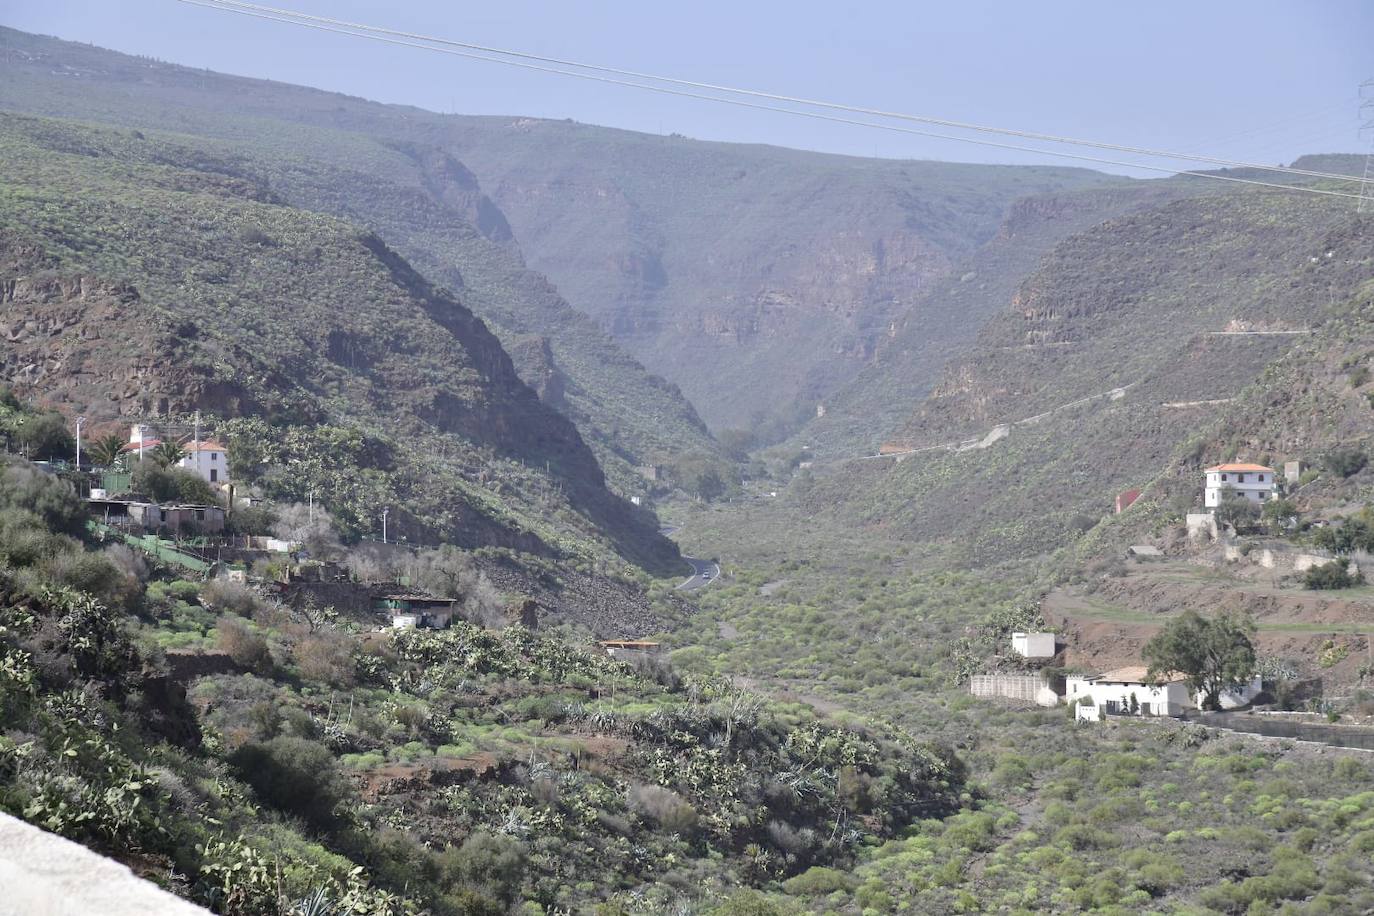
(140, 279)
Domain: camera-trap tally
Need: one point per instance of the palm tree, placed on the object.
(105, 451)
(166, 454)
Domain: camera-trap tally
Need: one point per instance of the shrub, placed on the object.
(1345, 461)
(294, 775)
(45, 436)
(1335, 574)
(244, 646)
(818, 881)
(53, 501)
(230, 597)
(172, 484)
(663, 806)
(326, 657)
(488, 862)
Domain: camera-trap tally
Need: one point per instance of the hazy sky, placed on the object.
(1253, 80)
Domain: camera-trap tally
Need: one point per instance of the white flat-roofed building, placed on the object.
(1254, 482)
(1033, 645)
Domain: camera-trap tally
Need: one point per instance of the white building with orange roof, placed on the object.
(1254, 482)
(208, 458)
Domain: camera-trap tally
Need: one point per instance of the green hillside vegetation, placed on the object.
(321, 346)
(415, 197)
(461, 771)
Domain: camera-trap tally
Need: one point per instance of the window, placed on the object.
(214, 474)
(1223, 478)
(1261, 478)
(1144, 709)
(214, 456)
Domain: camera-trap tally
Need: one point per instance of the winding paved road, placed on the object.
(704, 572)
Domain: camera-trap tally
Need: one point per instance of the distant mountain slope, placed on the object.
(947, 317)
(384, 172)
(1103, 366)
(758, 279)
(140, 277)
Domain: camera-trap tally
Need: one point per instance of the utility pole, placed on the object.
(79, 422)
(385, 511)
(1367, 124)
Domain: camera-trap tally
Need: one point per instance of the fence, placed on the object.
(1333, 735)
(1028, 688)
(154, 546)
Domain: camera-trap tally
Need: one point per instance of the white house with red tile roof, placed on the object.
(208, 458)
(1254, 482)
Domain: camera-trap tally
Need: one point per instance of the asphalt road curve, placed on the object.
(704, 572)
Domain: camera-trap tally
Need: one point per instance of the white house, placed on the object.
(1033, 645)
(1112, 693)
(1254, 482)
(1126, 691)
(209, 459)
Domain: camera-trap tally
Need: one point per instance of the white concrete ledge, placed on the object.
(42, 874)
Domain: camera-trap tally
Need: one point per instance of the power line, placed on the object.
(249, 8)
(345, 30)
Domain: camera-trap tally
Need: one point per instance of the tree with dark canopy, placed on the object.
(1213, 653)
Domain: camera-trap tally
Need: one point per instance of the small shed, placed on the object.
(1125, 499)
(416, 609)
(1033, 645)
(1144, 552)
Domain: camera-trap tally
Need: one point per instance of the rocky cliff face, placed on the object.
(943, 322)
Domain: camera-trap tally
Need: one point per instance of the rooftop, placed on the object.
(1137, 674)
(1242, 468)
(207, 446)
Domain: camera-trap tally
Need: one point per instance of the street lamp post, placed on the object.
(80, 421)
(385, 511)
